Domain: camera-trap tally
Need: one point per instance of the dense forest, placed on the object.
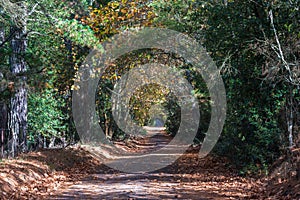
(255, 45)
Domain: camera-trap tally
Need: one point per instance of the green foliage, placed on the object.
(236, 35)
(145, 102)
(79, 33)
(45, 116)
(173, 121)
(251, 133)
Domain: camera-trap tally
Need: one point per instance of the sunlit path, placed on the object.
(187, 178)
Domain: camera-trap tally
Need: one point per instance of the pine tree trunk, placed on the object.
(3, 107)
(18, 111)
(3, 126)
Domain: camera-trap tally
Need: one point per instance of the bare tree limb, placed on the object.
(280, 52)
(33, 9)
(11, 35)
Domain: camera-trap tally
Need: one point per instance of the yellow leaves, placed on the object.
(116, 16)
(76, 67)
(58, 30)
(47, 85)
(129, 15)
(92, 15)
(133, 4)
(75, 87)
(150, 14)
(123, 11)
(114, 4)
(121, 18)
(115, 77)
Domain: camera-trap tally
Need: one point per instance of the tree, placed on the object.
(36, 54)
(246, 39)
(18, 111)
(281, 49)
(111, 19)
(16, 12)
(3, 106)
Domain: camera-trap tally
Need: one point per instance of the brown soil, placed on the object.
(74, 173)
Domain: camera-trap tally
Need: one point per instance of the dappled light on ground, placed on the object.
(75, 173)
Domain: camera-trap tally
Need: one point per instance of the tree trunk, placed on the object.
(290, 119)
(2, 33)
(18, 111)
(3, 125)
(3, 107)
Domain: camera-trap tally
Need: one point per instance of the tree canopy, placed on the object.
(255, 44)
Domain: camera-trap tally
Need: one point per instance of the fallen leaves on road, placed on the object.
(75, 173)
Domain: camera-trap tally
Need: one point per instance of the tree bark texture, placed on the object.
(18, 109)
(3, 107)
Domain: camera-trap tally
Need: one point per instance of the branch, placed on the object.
(15, 11)
(280, 54)
(112, 91)
(33, 9)
(35, 32)
(48, 16)
(27, 73)
(9, 37)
